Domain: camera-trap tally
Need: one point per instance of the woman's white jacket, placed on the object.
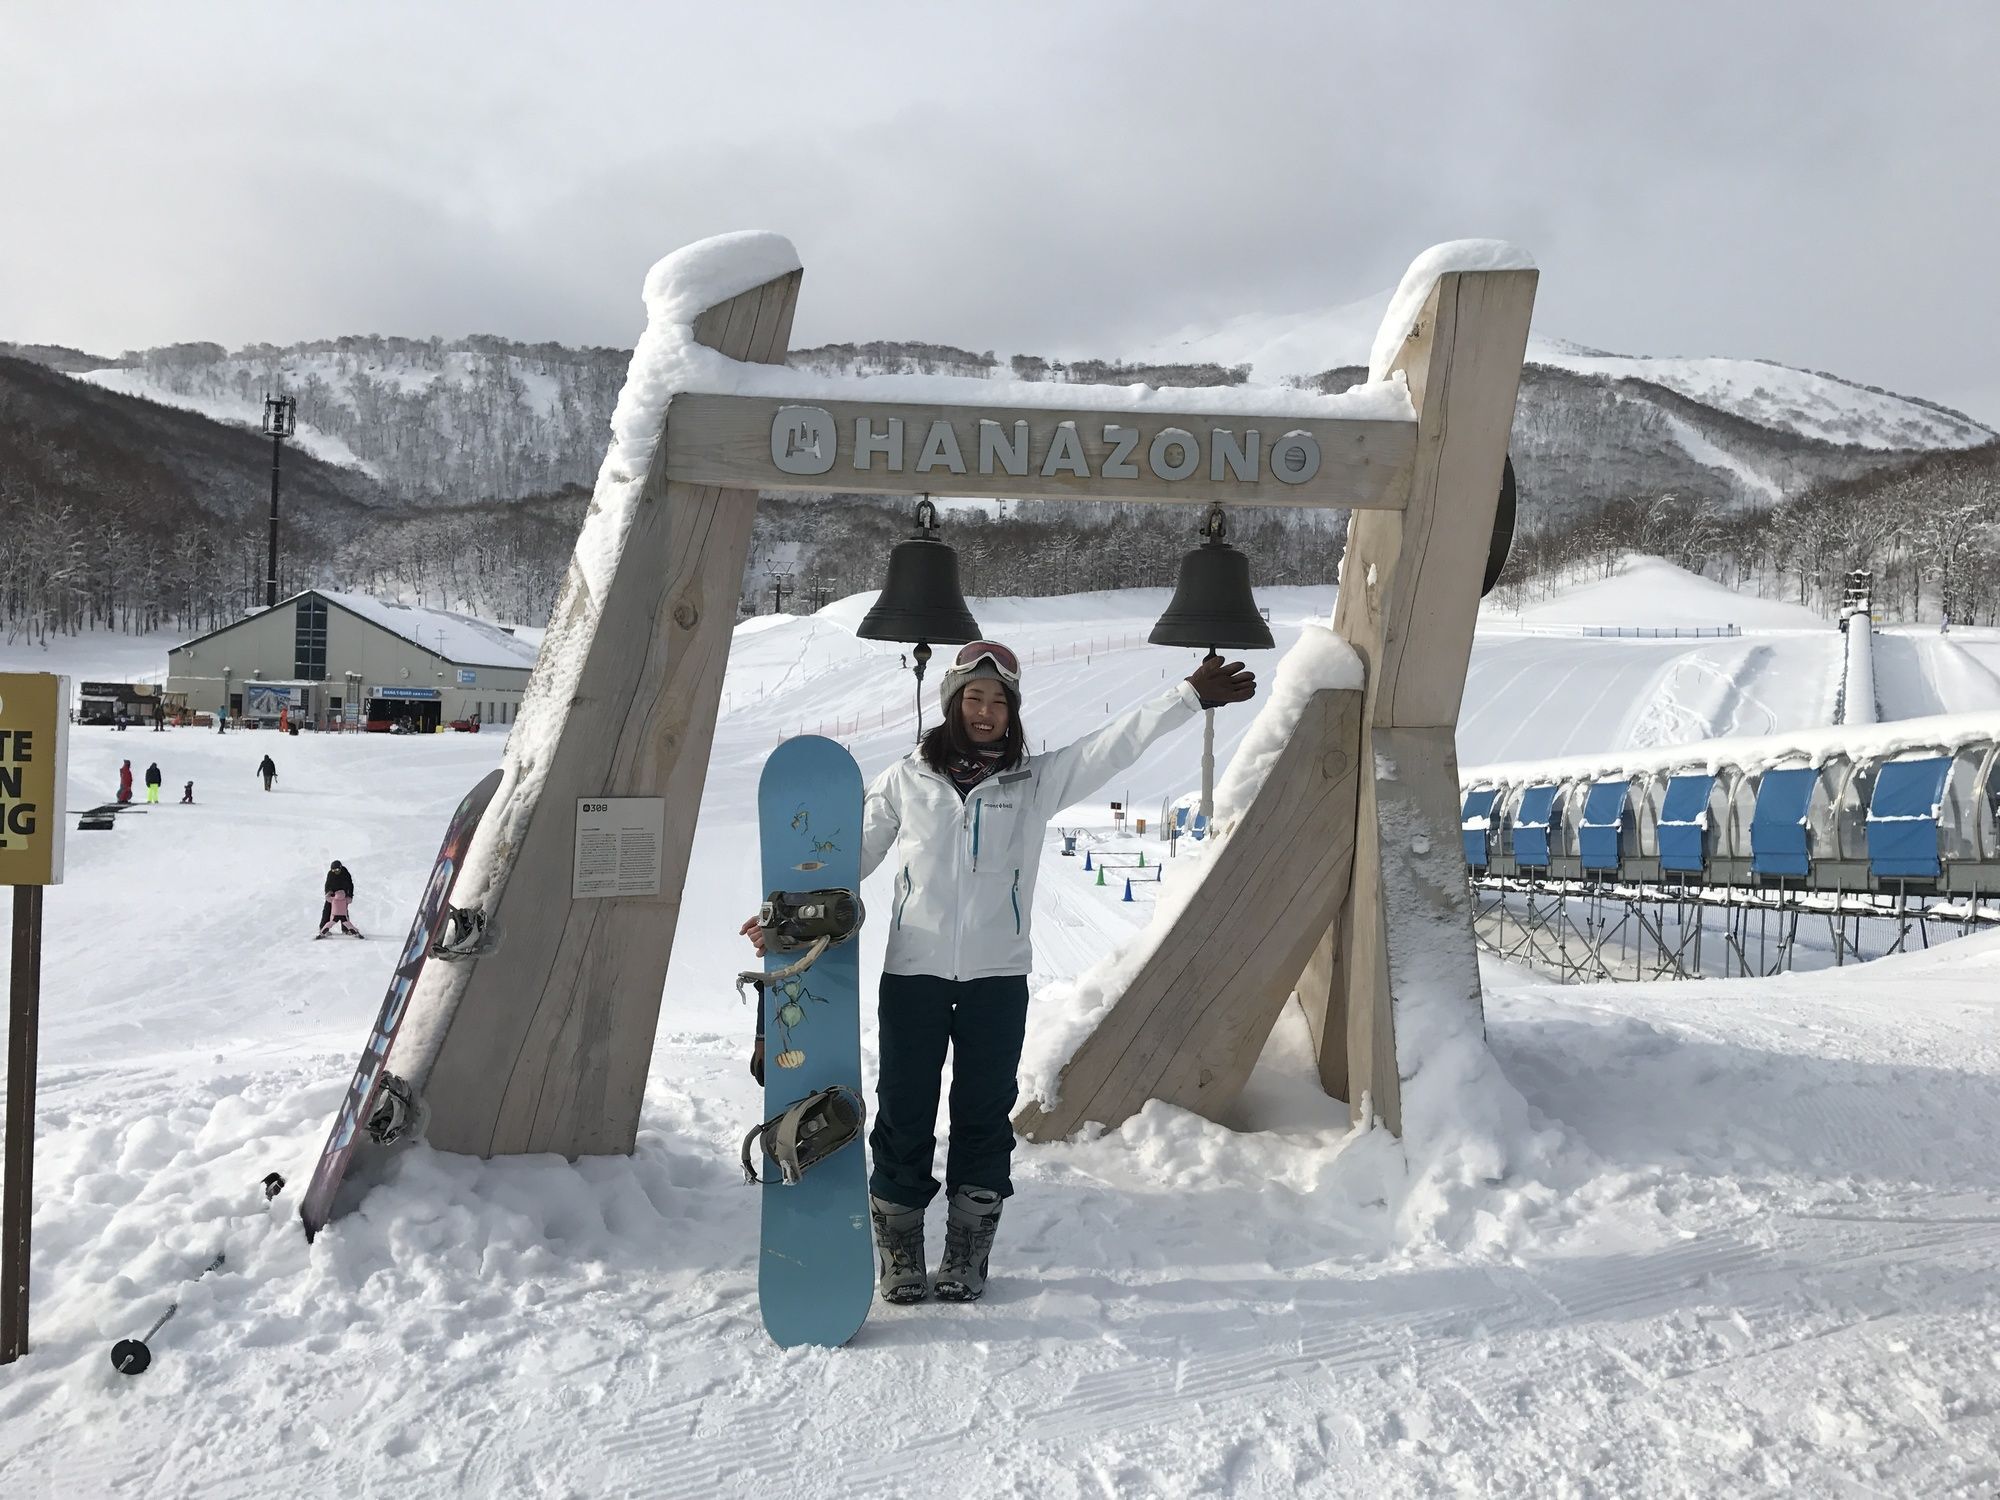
(965, 870)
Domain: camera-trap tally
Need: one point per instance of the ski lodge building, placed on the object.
(348, 661)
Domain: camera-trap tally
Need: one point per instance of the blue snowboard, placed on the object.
(816, 1270)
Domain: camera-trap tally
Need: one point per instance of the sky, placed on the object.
(1813, 183)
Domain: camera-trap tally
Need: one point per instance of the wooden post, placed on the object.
(547, 1045)
(17, 1201)
(1409, 596)
(1191, 1023)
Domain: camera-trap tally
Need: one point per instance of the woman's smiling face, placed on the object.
(982, 708)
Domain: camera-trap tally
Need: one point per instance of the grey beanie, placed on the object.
(955, 678)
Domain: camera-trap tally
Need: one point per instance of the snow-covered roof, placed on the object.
(459, 639)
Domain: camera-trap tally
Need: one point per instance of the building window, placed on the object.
(309, 640)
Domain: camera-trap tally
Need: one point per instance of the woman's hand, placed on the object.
(753, 929)
(1219, 682)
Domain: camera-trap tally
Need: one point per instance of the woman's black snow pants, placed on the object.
(981, 1022)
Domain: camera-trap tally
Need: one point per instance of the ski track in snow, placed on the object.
(1756, 1260)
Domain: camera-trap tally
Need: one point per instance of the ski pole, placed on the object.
(131, 1356)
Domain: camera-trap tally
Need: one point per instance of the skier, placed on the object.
(955, 974)
(153, 782)
(268, 771)
(125, 782)
(187, 792)
(338, 883)
(336, 911)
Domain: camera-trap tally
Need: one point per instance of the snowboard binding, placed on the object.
(812, 920)
(398, 1111)
(807, 1133)
(797, 919)
(463, 935)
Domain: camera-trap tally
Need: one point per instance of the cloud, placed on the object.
(1806, 183)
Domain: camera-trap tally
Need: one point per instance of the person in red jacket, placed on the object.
(125, 782)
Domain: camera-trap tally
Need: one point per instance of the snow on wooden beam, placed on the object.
(1191, 1023)
(1397, 973)
(545, 1048)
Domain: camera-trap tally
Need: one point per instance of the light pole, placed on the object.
(280, 421)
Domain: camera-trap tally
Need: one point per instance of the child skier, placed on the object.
(964, 815)
(187, 792)
(338, 883)
(336, 912)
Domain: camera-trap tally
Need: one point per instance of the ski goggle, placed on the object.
(1004, 661)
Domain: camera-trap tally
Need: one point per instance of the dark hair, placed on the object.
(944, 742)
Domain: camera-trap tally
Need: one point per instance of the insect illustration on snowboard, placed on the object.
(790, 1014)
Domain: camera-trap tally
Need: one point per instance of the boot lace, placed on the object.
(966, 1246)
(903, 1247)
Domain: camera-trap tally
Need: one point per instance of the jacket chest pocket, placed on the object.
(997, 821)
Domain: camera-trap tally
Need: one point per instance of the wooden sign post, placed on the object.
(34, 766)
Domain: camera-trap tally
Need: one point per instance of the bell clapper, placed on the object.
(921, 656)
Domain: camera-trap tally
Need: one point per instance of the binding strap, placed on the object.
(807, 1133)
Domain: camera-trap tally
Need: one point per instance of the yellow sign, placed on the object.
(34, 772)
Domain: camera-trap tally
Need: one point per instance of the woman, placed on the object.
(962, 819)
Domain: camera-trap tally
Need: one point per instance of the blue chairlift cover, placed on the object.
(1684, 824)
(1476, 825)
(1603, 817)
(1778, 826)
(1903, 819)
(1531, 827)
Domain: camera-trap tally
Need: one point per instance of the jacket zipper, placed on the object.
(903, 900)
(1015, 897)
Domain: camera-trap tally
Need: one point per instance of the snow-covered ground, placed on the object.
(1742, 1244)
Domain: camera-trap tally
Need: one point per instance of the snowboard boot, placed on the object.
(968, 1241)
(899, 1242)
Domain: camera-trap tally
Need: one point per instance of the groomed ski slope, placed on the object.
(1744, 1244)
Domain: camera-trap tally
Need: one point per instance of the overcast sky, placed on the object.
(1816, 183)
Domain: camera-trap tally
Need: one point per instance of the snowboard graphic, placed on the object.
(816, 1268)
(316, 1207)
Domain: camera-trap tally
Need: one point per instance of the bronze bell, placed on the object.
(1212, 605)
(1503, 529)
(921, 600)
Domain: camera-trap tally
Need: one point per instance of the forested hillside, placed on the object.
(468, 466)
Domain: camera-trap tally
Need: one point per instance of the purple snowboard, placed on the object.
(317, 1205)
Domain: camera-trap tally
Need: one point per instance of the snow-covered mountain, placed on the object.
(484, 418)
(1810, 404)
(1594, 426)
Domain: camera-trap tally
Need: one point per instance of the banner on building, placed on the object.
(271, 698)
